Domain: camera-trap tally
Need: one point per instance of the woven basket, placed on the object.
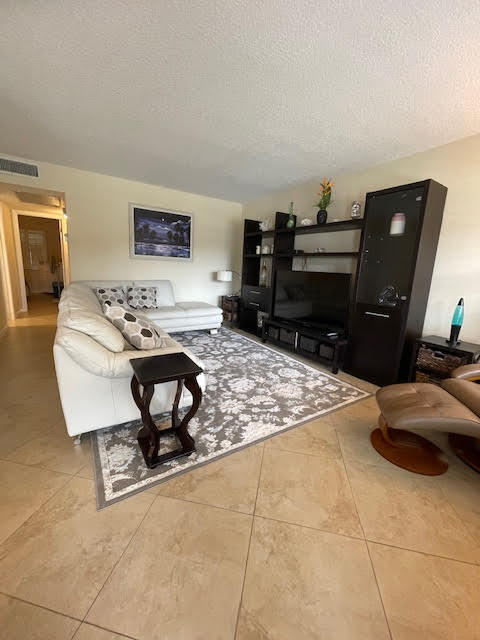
(439, 361)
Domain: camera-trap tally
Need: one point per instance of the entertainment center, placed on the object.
(303, 311)
(368, 318)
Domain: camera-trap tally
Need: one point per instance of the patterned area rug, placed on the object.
(253, 392)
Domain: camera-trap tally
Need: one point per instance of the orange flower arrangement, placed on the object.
(325, 193)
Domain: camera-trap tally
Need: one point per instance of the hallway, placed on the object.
(42, 310)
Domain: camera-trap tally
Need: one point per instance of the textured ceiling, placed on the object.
(233, 98)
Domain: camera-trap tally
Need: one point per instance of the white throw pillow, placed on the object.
(111, 296)
(140, 332)
(142, 297)
(94, 325)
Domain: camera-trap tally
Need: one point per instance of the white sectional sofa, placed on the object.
(92, 357)
(170, 315)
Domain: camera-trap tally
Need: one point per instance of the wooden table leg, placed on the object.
(149, 436)
(186, 440)
(178, 395)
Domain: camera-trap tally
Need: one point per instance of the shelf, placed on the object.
(258, 255)
(342, 225)
(265, 234)
(321, 254)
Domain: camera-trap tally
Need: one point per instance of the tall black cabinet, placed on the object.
(393, 279)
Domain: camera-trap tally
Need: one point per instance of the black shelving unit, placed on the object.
(393, 280)
(257, 301)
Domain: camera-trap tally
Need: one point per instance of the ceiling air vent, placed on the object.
(13, 166)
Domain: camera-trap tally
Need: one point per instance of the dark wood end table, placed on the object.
(433, 358)
(152, 370)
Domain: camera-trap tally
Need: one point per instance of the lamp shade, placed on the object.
(225, 276)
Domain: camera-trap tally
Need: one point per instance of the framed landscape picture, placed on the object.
(160, 233)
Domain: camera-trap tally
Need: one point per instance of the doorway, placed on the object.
(30, 260)
(40, 255)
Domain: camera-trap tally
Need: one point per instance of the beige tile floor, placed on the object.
(310, 535)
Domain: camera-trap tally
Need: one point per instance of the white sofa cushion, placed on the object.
(165, 297)
(137, 330)
(94, 325)
(199, 309)
(94, 284)
(188, 324)
(164, 313)
(79, 296)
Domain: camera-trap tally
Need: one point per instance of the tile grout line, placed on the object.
(203, 504)
(119, 559)
(64, 615)
(68, 480)
(249, 545)
(40, 606)
(36, 466)
(305, 526)
(310, 528)
(411, 549)
(97, 626)
(466, 525)
(365, 540)
(423, 553)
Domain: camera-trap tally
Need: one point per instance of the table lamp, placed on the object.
(226, 275)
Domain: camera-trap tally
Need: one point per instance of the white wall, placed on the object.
(457, 267)
(98, 230)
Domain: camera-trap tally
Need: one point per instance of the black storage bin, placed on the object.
(308, 344)
(326, 351)
(287, 336)
(273, 332)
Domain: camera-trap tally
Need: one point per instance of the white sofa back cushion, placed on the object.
(79, 296)
(94, 325)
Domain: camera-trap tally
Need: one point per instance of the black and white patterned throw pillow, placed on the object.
(138, 331)
(142, 297)
(111, 296)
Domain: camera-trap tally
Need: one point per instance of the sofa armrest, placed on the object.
(467, 372)
(465, 391)
(96, 359)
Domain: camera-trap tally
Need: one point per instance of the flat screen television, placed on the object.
(316, 299)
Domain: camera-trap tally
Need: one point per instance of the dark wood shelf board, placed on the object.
(258, 255)
(265, 234)
(341, 225)
(321, 254)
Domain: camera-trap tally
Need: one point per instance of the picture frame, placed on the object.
(158, 233)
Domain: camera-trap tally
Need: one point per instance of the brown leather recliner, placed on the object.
(454, 408)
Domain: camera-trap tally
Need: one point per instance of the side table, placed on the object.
(433, 358)
(231, 308)
(152, 370)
